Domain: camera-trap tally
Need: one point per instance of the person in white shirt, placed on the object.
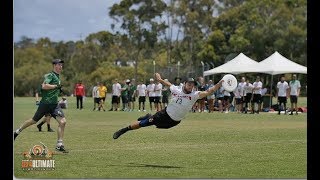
(180, 104)
(150, 92)
(242, 93)
(141, 94)
(157, 96)
(116, 92)
(282, 94)
(256, 97)
(95, 96)
(63, 103)
(247, 95)
(294, 93)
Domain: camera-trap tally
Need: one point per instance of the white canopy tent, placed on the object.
(237, 65)
(277, 64)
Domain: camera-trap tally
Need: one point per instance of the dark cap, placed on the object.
(57, 61)
(190, 80)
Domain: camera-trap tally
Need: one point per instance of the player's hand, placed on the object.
(158, 77)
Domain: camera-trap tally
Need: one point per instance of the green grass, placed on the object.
(203, 145)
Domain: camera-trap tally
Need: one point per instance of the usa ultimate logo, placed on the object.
(38, 158)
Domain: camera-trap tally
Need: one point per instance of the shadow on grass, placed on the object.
(146, 165)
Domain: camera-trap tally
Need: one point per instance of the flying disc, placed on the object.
(229, 82)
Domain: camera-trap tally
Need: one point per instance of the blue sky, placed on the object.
(60, 20)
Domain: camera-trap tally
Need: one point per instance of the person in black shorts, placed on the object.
(181, 103)
(51, 89)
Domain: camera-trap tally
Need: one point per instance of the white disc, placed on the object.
(230, 82)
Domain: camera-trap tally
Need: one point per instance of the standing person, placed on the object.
(47, 117)
(141, 93)
(242, 93)
(247, 90)
(237, 98)
(294, 93)
(124, 95)
(157, 96)
(79, 92)
(132, 94)
(102, 90)
(150, 92)
(116, 92)
(51, 88)
(95, 96)
(220, 97)
(165, 95)
(181, 103)
(282, 94)
(256, 96)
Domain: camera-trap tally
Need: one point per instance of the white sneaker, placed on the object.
(139, 110)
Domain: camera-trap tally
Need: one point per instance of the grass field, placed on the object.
(203, 145)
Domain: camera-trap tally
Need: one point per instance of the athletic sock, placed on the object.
(48, 125)
(59, 143)
(18, 131)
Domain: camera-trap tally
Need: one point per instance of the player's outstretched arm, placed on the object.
(158, 77)
(208, 92)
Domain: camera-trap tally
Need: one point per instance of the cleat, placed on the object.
(61, 149)
(50, 130)
(39, 127)
(15, 135)
(119, 133)
(147, 116)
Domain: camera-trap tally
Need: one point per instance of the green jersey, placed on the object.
(50, 96)
(125, 92)
(132, 89)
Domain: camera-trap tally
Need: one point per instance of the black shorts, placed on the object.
(142, 99)
(131, 98)
(115, 100)
(293, 99)
(124, 99)
(248, 97)
(151, 99)
(96, 100)
(256, 98)
(165, 99)
(157, 99)
(162, 120)
(282, 99)
(43, 109)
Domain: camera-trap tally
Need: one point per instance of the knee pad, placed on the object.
(146, 122)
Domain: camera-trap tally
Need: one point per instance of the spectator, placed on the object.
(96, 96)
(79, 92)
(141, 93)
(256, 98)
(102, 89)
(295, 86)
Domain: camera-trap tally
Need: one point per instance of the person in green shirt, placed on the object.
(47, 117)
(51, 89)
(132, 94)
(124, 95)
